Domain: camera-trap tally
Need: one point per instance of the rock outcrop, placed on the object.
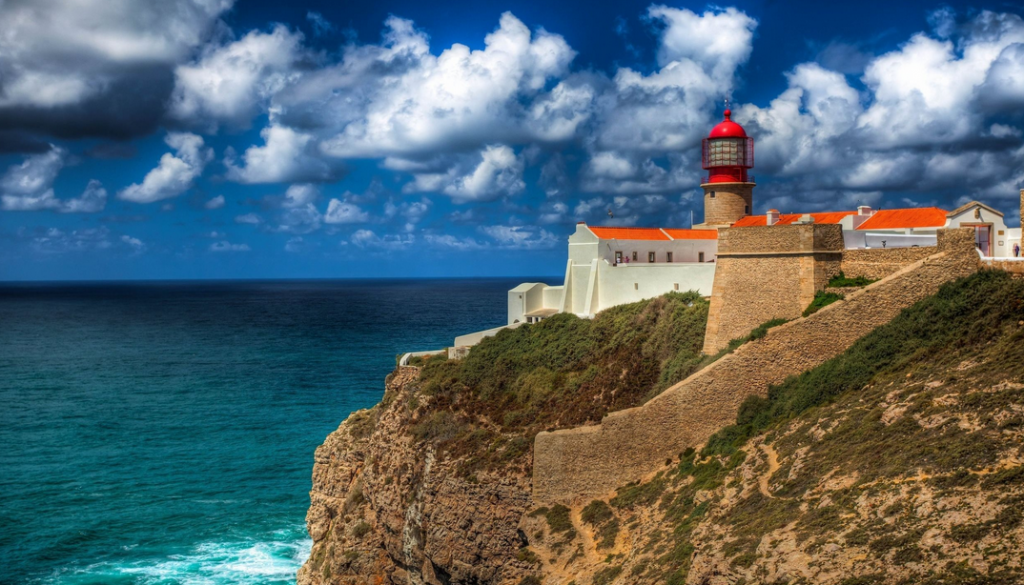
(386, 509)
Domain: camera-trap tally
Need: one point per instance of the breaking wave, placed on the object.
(243, 562)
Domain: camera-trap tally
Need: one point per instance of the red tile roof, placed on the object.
(789, 218)
(628, 233)
(684, 234)
(661, 234)
(884, 219)
(918, 217)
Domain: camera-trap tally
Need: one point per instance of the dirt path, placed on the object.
(773, 466)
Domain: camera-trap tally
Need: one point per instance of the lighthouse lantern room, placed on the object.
(727, 154)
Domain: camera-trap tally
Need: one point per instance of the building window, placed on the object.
(746, 209)
(700, 256)
(636, 286)
(668, 256)
(618, 257)
(675, 286)
(650, 256)
(712, 194)
(634, 256)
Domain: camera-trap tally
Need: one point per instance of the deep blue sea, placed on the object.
(164, 433)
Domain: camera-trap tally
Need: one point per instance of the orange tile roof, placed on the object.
(662, 234)
(918, 217)
(789, 218)
(628, 233)
(684, 234)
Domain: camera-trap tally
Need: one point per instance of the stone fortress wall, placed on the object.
(586, 462)
(769, 272)
(876, 263)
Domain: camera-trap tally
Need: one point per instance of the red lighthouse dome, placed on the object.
(727, 128)
(727, 152)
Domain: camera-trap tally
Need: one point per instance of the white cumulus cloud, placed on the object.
(29, 187)
(286, 156)
(175, 173)
(232, 83)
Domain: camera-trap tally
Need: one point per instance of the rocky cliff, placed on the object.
(898, 461)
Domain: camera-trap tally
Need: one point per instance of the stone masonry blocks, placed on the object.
(731, 202)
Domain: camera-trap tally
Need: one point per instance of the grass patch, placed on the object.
(841, 281)
(640, 494)
(821, 300)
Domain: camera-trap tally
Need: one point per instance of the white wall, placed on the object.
(893, 239)
(682, 250)
(629, 283)
(474, 338)
(1000, 247)
(524, 298)
(1013, 237)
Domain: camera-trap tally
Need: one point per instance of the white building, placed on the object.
(610, 266)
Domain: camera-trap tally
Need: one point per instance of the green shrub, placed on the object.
(596, 513)
(606, 576)
(360, 530)
(558, 519)
(527, 556)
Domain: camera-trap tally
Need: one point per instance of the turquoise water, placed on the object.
(164, 433)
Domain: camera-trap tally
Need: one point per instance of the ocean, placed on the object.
(163, 433)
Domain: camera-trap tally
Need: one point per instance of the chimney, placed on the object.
(863, 213)
(773, 216)
(805, 219)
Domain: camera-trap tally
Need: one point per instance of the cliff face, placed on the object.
(899, 461)
(386, 508)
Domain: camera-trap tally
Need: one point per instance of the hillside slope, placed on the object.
(899, 461)
(430, 485)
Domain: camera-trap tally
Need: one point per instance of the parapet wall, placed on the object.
(878, 263)
(587, 462)
(765, 273)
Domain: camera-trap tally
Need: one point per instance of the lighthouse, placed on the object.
(727, 154)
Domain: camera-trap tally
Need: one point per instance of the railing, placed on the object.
(705, 179)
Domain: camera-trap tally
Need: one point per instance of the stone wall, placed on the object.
(587, 462)
(766, 273)
(1012, 266)
(878, 263)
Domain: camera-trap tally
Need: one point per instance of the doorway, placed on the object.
(982, 238)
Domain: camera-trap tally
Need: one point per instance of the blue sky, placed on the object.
(221, 139)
